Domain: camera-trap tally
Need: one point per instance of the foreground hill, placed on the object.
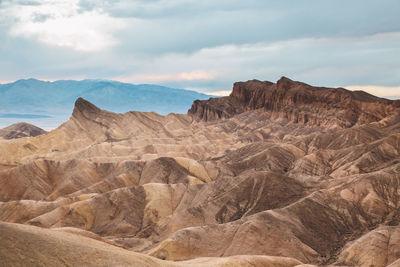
(20, 130)
(291, 172)
(31, 246)
(50, 103)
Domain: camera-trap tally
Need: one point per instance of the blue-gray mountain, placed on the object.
(47, 104)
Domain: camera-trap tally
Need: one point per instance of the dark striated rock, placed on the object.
(20, 130)
(84, 108)
(297, 102)
(215, 108)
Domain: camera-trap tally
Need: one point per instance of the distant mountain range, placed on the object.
(47, 104)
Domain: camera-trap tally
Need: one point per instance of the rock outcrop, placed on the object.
(20, 130)
(297, 102)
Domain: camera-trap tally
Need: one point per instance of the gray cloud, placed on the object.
(28, 3)
(39, 17)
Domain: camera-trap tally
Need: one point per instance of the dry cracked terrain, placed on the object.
(276, 174)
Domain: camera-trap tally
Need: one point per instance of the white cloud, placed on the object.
(196, 75)
(59, 23)
(220, 93)
(378, 90)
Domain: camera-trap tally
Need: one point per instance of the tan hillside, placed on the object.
(292, 173)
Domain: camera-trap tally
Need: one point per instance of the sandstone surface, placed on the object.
(276, 174)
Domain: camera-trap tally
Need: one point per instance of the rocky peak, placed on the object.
(286, 83)
(84, 108)
(244, 92)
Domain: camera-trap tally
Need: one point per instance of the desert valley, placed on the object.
(275, 174)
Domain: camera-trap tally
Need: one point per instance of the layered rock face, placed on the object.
(297, 102)
(278, 174)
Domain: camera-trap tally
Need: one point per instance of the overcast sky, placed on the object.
(204, 45)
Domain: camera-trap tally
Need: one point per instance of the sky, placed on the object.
(204, 45)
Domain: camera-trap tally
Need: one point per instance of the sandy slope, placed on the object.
(309, 175)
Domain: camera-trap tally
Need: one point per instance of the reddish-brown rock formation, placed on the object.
(297, 102)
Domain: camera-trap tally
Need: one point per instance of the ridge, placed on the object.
(297, 102)
(85, 108)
